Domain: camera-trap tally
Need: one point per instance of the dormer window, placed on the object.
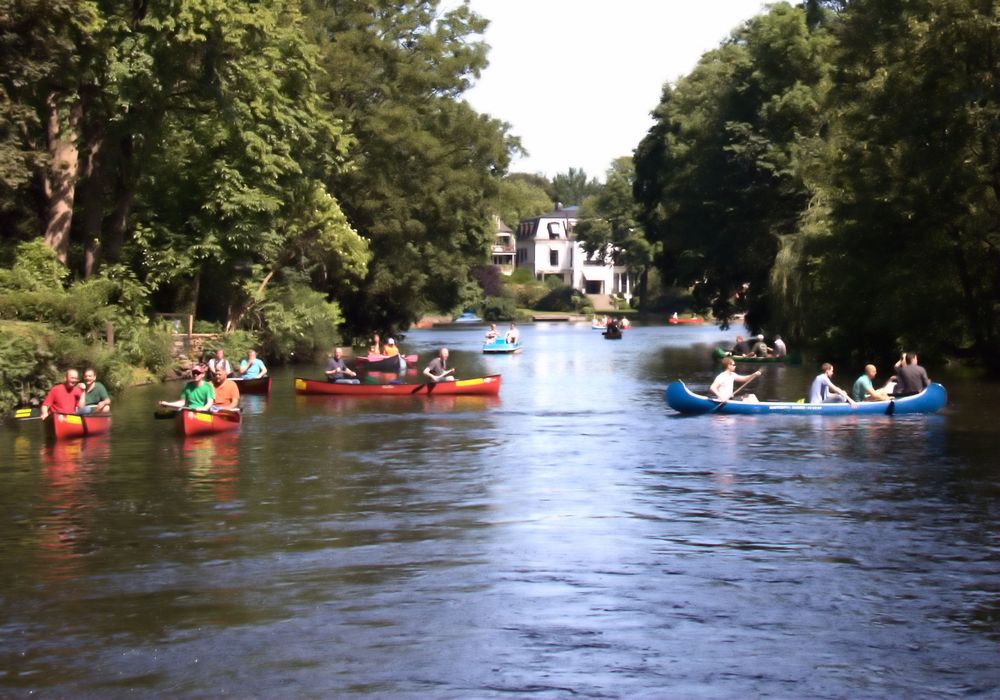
(555, 230)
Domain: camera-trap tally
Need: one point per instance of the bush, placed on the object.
(499, 309)
(527, 296)
(564, 298)
(521, 275)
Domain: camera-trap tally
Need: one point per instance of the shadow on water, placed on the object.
(571, 537)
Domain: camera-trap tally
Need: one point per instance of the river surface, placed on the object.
(572, 538)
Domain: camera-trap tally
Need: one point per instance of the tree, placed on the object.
(428, 165)
(519, 200)
(718, 177)
(608, 226)
(572, 187)
(902, 247)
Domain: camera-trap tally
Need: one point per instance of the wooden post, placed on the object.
(109, 334)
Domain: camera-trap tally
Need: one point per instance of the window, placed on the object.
(554, 258)
(555, 230)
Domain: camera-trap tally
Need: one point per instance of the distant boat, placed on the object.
(467, 317)
(501, 346)
(693, 319)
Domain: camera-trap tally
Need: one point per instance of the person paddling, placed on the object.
(197, 394)
(822, 387)
(63, 397)
(437, 369)
(227, 394)
(722, 387)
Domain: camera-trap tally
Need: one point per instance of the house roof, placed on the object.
(501, 227)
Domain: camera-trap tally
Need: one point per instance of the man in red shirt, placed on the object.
(63, 398)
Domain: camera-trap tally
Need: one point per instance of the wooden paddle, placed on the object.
(167, 412)
(23, 414)
(742, 387)
(430, 385)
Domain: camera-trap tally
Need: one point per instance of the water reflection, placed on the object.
(568, 537)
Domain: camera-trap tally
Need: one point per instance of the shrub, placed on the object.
(499, 309)
(563, 298)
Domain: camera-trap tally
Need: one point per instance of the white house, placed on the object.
(547, 247)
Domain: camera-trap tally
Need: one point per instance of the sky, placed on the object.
(577, 80)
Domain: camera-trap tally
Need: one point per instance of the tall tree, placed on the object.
(518, 199)
(573, 186)
(718, 176)
(608, 226)
(903, 245)
(428, 166)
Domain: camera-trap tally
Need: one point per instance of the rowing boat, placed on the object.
(63, 426)
(382, 363)
(610, 334)
(257, 386)
(500, 346)
(481, 386)
(792, 359)
(190, 422)
(697, 320)
(683, 400)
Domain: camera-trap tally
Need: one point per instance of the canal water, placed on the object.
(572, 538)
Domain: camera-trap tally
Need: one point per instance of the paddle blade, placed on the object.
(27, 413)
(165, 413)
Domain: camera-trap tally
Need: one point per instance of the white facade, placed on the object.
(546, 246)
(502, 251)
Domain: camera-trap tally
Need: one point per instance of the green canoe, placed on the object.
(792, 359)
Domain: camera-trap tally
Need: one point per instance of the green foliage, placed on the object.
(901, 247)
(293, 322)
(235, 345)
(572, 187)
(428, 165)
(521, 275)
(564, 298)
(527, 295)
(519, 199)
(718, 177)
(499, 309)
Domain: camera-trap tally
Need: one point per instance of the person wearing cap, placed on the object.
(390, 349)
(760, 348)
(197, 393)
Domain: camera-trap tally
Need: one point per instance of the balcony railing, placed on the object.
(503, 249)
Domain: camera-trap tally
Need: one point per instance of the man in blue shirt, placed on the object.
(822, 387)
(252, 367)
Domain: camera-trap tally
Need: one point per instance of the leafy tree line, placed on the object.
(252, 161)
(832, 169)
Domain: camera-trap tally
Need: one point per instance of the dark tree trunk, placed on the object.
(59, 185)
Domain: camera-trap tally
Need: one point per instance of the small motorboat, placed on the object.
(64, 426)
(480, 386)
(683, 400)
(501, 347)
(467, 317)
(258, 386)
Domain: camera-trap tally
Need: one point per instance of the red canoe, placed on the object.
(63, 426)
(257, 386)
(190, 422)
(481, 386)
(694, 319)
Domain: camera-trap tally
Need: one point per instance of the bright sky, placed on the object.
(577, 80)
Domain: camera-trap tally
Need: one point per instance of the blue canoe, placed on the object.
(683, 400)
(501, 346)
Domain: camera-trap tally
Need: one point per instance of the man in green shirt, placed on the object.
(863, 389)
(197, 393)
(95, 398)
